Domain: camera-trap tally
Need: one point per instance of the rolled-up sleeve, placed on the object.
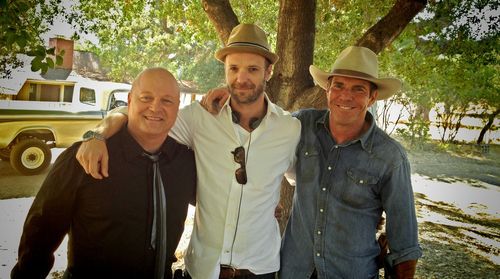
(399, 205)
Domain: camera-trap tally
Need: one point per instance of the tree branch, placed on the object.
(388, 28)
(222, 16)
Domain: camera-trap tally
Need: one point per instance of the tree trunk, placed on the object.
(488, 125)
(295, 47)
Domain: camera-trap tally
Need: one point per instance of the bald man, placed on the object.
(116, 225)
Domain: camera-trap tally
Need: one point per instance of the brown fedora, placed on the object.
(361, 63)
(247, 38)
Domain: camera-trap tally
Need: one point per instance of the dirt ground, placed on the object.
(457, 191)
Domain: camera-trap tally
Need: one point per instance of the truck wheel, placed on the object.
(30, 156)
(5, 154)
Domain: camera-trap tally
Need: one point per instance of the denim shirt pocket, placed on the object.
(308, 163)
(360, 189)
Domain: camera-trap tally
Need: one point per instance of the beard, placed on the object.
(249, 97)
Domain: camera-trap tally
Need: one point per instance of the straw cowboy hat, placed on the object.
(247, 38)
(361, 63)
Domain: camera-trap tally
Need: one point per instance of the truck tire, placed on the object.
(30, 156)
(5, 154)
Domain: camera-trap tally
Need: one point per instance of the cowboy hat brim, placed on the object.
(223, 52)
(386, 87)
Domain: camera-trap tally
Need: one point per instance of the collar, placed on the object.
(365, 139)
(133, 150)
(271, 107)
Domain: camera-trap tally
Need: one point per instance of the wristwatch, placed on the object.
(90, 134)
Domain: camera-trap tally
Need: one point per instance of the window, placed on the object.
(49, 92)
(68, 93)
(87, 96)
(32, 92)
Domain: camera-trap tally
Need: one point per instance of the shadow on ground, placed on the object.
(456, 244)
(465, 163)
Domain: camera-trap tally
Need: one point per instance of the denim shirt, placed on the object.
(341, 192)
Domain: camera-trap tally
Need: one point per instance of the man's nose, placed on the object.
(242, 76)
(155, 105)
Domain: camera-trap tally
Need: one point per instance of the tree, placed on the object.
(21, 24)
(449, 56)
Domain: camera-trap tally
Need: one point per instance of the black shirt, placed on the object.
(109, 221)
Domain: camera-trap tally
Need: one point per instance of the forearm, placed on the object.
(404, 270)
(112, 123)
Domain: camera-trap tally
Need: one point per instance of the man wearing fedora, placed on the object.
(348, 171)
(241, 154)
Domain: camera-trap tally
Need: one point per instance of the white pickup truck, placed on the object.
(49, 113)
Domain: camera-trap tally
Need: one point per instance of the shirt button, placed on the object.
(318, 254)
(336, 146)
(307, 153)
(361, 182)
(324, 189)
(329, 168)
(319, 232)
(321, 210)
(227, 252)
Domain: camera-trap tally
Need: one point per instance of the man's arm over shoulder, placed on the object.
(49, 218)
(93, 154)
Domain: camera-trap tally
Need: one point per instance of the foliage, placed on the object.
(21, 23)
(449, 57)
(340, 23)
(126, 51)
(388, 114)
(134, 35)
(416, 133)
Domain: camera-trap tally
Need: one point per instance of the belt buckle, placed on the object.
(233, 269)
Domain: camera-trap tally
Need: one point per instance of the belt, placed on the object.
(227, 272)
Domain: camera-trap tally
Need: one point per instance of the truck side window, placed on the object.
(87, 96)
(68, 93)
(32, 92)
(49, 92)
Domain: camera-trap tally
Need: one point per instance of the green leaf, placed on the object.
(59, 60)
(62, 52)
(40, 52)
(36, 64)
(51, 51)
(44, 68)
(21, 42)
(50, 62)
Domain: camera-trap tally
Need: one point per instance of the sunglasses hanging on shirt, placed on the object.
(241, 172)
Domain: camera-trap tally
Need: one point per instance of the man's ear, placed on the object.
(268, 72)
(373, 98)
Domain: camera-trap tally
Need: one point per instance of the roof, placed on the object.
(12, 85)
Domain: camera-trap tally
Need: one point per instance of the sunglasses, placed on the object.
(241, 172)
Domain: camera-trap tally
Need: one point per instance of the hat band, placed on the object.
(352, 73)
(248, 44)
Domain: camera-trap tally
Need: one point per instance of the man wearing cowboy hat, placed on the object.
(241, 155)
(348, 172)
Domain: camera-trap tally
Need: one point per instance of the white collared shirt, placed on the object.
(251, 239)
